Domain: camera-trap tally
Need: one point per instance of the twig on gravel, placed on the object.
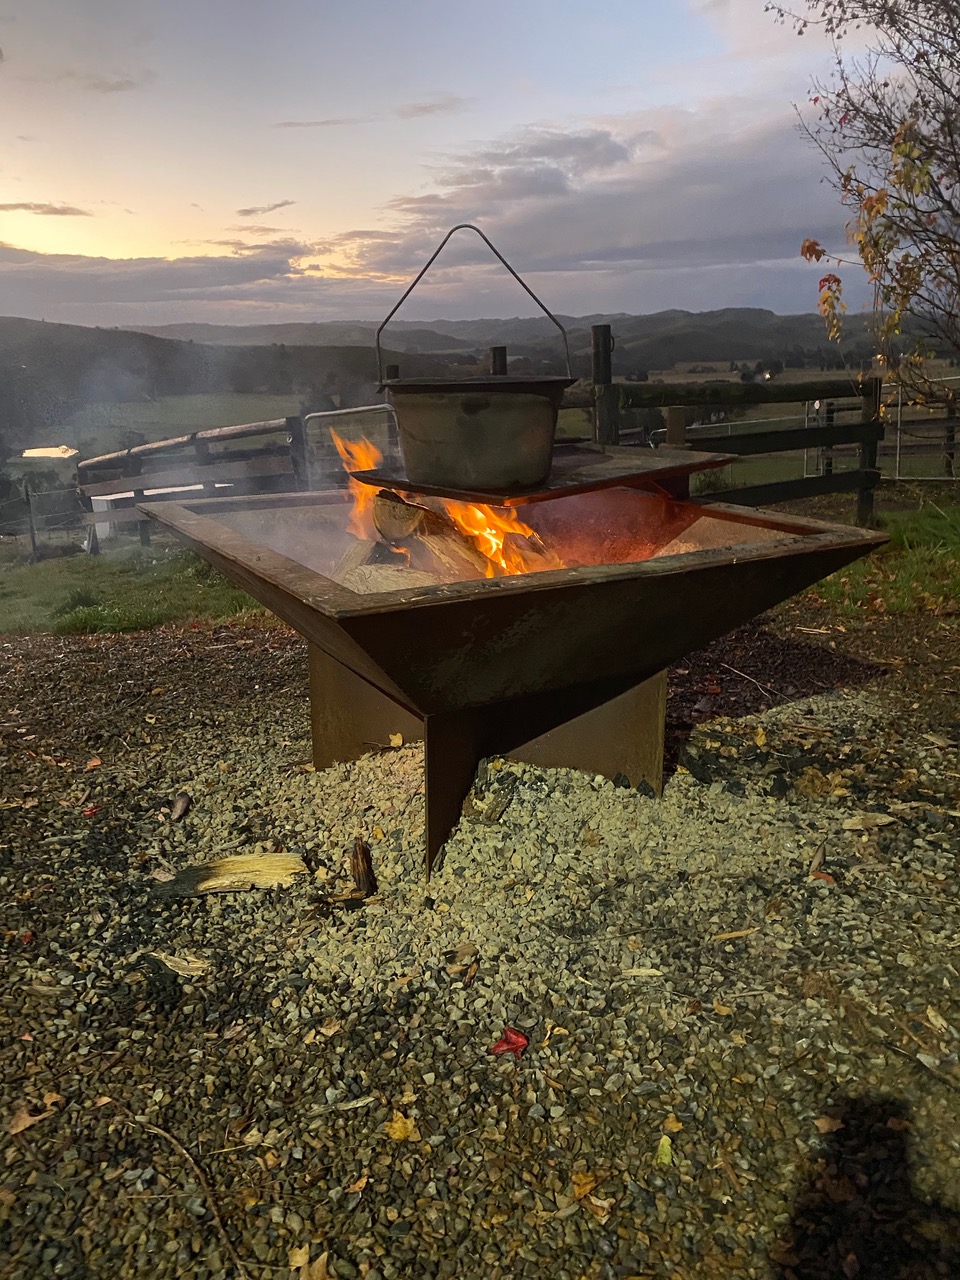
(764, 688)
(201, 1178)
(916, 1058)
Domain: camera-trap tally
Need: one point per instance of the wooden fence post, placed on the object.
(31, 525)
(298, 452)
(869, 412)
(950, 436)
(676, 427)
(606, 396)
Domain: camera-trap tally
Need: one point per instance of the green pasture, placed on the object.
(127, 588)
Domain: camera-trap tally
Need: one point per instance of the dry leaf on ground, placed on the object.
(867, 821)
(181, 806)
(584, 1183)
(316, 1270)
(664, 1154)
(599, 1208)
(722, 1009)
(936, 1020)
(187, 965)
(358, 1186)
(22, 1119)
(298, 1257)
(672, 1124)
(402, 1129)
(828, 1124)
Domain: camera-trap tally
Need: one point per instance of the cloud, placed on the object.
(658, 206)
(46, 210)
(255, 229)
(581, 152)
(332, 122)
(695, 207)
(95, 83)
(442, 104)
(256, 210)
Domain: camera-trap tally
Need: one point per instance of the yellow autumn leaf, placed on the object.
(360, 1183)
(760, 737)
(664, 1154)
(599, 1208)
(396, 739)
(584, 1183)
(672, 1124)
(402, 1129)
(298, 1257)
(722, 1009)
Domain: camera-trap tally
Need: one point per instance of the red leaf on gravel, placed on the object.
(88, 813)
(513, 1041)
(27, 937)
(822, 875)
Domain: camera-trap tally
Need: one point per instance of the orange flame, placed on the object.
(494, 532)
(509, 545)
(359, 455)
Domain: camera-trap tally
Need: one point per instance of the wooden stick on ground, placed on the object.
(204, 1183)
(361, 868)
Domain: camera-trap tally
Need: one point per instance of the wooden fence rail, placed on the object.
(612, 399)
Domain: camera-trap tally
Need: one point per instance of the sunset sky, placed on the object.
(256, 161)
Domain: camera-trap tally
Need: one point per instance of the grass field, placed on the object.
(918, 569)
(128, 588)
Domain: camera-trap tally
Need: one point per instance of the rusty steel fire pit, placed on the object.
(561, 666)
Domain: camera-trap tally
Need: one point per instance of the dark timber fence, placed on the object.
(613, 401)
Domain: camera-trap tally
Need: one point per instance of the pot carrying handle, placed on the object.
(468, 226)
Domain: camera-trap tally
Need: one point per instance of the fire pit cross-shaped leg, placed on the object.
(613, 727)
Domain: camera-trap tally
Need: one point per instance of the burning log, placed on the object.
(398, 520)
(355, 557)
(417, 547)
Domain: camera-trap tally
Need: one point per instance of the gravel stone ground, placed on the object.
(741, 1000)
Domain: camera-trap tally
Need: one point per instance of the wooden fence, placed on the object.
(612, 425)
(294, 453)
(288, 454)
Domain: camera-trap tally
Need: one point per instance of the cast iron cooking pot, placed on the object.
(493, 432)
